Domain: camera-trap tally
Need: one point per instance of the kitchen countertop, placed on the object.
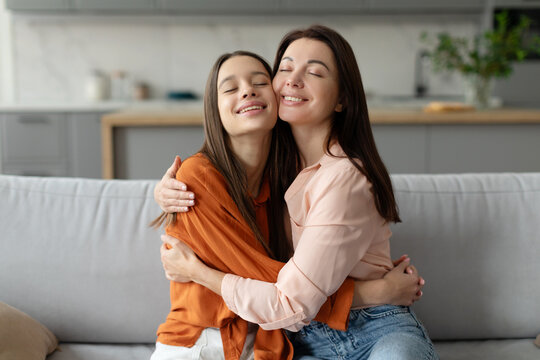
(192, 115)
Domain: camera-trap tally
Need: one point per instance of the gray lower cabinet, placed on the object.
(403, 148)
(51, 144)
(484, 148)
(459, 148)
(146, 152)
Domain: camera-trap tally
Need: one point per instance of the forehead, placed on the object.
(240, 66)
(310, 49)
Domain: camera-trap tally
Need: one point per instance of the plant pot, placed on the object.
(478, 90)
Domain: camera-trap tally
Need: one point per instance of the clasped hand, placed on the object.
(179, 261)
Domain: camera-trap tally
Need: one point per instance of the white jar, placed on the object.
(96, 86)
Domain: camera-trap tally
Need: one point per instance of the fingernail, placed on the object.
(191, 202)
(185, 209)
(184, 188)
(192, 196)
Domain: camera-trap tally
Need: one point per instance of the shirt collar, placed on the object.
(335, 150)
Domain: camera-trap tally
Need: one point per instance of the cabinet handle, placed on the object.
(34, 173)
(33, 120)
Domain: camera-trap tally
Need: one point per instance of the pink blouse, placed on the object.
(336, 232)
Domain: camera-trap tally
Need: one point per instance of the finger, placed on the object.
(421, 281)
(411, 270)
(175, 209)
(398, 261)
(403, 264)
(173, 169)
(172, 183)
(174, 197)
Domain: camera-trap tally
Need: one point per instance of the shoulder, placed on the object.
(197, 171)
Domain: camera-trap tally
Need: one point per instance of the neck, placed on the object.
(252, 152)
(311, 142)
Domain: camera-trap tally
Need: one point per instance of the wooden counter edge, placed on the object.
(123, 119)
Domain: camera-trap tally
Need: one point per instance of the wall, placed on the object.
(52, 56)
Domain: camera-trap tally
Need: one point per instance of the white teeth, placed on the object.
(250, 108)
(291, 98)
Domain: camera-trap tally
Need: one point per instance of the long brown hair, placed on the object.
(216, 148)
(350, 127)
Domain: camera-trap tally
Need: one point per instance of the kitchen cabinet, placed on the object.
(323, 7)
(51, 144)
(31, 143)
(400, 6)
(403, 148)
(218, 6)
(517, 3)
(38, 5)
(484, 148)
(459, 148)
(146, 152)
(245, 7)
(114, 5)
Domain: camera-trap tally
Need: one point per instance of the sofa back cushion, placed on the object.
(476, 240)
(78, 256)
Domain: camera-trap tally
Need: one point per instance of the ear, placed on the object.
(339, 107)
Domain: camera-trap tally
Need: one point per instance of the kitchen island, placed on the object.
(139, 143)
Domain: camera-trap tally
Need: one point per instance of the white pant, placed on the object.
(208, 347)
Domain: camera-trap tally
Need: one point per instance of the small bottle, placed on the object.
(96, 86)
(141, 91)
(119, 86)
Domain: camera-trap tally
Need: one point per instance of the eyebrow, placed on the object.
(312, 61)
(253, 73)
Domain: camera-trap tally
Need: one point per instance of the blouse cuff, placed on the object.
(228, 286)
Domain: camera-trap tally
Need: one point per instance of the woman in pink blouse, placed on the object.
(340, 205)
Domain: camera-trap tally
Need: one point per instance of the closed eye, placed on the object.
(230, 90)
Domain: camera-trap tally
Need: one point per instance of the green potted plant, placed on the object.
(491, 55)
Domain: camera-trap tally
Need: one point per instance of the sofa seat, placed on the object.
(519, 349)
(72, 351)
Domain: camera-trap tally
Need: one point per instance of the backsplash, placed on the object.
(53, 56)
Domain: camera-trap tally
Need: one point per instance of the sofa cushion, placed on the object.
(78, 255)
(22, 337)
(70, 351)
(476, 240)
(519, 349)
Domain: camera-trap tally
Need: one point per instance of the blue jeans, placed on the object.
(384, 332)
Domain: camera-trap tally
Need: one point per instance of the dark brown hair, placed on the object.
(216, 148)
(350, 127)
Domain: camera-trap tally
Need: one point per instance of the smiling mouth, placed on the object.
(292, 98)
(251, 108)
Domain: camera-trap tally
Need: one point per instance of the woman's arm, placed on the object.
(170, 194)
(400, 286)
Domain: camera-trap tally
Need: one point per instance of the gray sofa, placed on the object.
(77, 255)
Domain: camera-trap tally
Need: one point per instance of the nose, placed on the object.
(248, 91)
(294, 80)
